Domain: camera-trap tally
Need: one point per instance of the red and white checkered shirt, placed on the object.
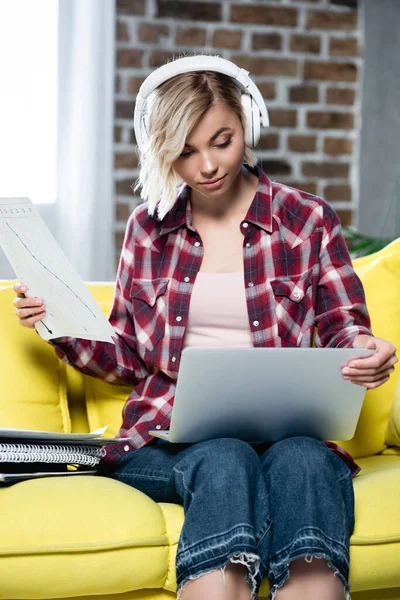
(297, 275)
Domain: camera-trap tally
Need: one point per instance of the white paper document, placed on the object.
(94, 438)
(41, 265)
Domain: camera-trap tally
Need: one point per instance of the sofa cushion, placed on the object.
(380, 275)
(375, 544)
(393, 429)
(112, 537)
(33, 394)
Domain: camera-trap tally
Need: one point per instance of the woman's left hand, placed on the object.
(371, 371)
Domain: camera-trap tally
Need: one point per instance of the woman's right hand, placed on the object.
(29, 310)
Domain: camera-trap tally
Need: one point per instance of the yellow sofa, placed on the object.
(95, 538)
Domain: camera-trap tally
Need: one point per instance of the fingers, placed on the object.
(386, 367)
(371, 378)
(20, 289)
(371, 386)
(29, 310)
(371, 366)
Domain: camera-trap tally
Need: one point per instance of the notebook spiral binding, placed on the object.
(49, 453)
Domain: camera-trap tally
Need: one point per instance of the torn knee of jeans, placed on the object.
(309, 558)
(252, 563)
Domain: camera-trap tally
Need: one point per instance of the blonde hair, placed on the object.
(175, 108)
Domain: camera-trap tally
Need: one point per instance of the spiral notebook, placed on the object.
(25, 454)
(88, 456)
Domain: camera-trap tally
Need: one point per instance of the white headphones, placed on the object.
(254, 108)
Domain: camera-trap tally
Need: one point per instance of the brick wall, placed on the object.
(304, 56)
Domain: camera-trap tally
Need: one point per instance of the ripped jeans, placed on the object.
(262, 505)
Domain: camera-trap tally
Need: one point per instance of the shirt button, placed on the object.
(126, 448)
(187, 279)
(256, 323)
(197, 244)
(178, 319)
(250, 284)
(152, 301)
(158, 426)
(296, 295)
(245, 225)
(248, 245)
(173, 359)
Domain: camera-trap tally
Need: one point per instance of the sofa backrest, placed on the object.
(38, 391)
(33, 379)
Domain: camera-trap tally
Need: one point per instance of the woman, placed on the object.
(233, 259)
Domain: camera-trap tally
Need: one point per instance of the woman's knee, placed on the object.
(299, 455)
(222, 460)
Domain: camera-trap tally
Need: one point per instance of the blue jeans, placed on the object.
(261, 505)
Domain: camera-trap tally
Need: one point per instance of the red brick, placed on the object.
(330, 71)
(133, 84)
(344, 47)
(190, 36)
(189, 10)
(343, 96)
(125, 160)
(160, 57)
(276, 167)
(330, 120)
(127, 57)
(117, 133)
(124, 187)
(122, 32)
(267, 89)
(302, 143)
(325, 170)
(280, 117)
(131, 7)
(346, 217)
(306, 186)
(124, 110)
(269, 141)
(122, 212)
(304, 93)
(337, 193)
(264, 15)
(305, 43)
(273, 67)
(227, 38)
(336, 146)
(329, 19)
(267, 41)
(147, 32)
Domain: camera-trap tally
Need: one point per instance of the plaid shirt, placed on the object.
(298, 277)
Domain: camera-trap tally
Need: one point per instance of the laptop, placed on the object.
(264, 395)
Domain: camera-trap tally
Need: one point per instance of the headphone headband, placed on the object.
(195, 63)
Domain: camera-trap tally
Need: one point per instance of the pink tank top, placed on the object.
(218, 312)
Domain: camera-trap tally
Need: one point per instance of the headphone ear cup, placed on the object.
(256, 122)
(248, 119)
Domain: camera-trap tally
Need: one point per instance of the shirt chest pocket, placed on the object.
(148, 298)
(293, 306)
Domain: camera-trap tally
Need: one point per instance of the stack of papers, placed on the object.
(22, 451)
